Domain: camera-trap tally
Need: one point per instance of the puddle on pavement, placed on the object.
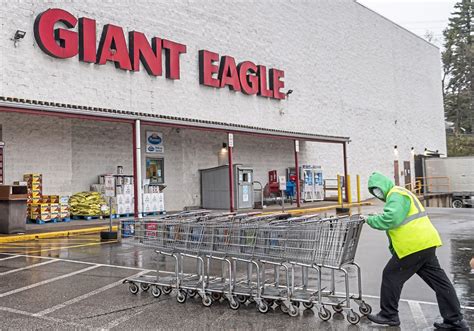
(462, 251)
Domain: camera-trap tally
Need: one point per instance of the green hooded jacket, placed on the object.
(396, 206)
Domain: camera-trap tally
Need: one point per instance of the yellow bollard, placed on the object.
(358, 188)
(339, 191)
(349, 193)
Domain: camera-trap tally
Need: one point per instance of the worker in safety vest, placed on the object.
(413, 241)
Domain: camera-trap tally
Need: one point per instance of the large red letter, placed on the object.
(58, 43)
(112, 47)
(276, 84)
(140, 50)
(207, 68)
(228, 74)
(172, 51)
(262, 82)
(87, 40)
(248, 79)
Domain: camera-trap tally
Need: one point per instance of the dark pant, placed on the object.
(426, 265)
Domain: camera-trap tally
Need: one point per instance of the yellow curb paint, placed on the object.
(56, 234)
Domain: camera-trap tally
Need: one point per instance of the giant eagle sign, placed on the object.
(214, 70)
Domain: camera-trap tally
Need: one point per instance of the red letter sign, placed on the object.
(262, 82)
(172, 51)
(228, 74)
(87, 40)
(140, 49)
(207, 68)
(112, 47)
(58, 43)
(248, 78)
(276, 84)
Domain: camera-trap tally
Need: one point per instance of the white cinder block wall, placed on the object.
(353, 73)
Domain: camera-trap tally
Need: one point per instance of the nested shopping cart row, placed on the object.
(257, 258)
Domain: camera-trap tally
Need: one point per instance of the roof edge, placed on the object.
(52, 107)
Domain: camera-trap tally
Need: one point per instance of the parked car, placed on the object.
(463, 200)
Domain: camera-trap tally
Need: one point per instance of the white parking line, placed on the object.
(85, 262)
(21, 289)
(27, 267)
(406, 300)
(85, 296)
(50, 319)
(417, 314)
(8, 257)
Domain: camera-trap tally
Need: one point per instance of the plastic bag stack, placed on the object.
(88, 204)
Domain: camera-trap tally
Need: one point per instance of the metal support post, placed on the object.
(137, 168)
(358, 188)
(231, 171)
(297, 149)
(344, 151)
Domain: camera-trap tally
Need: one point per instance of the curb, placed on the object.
(56, 234)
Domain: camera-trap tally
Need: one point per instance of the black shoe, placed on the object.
(460, 325)
(379, 319)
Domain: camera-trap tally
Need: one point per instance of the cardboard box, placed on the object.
(63, 208)
(40, 208)
(33, 177)
(50, 198)
(98, 188)
(46, 216)
(35, 194)
(64, 199)
(128, 189)
(64, 214)
(54, 207)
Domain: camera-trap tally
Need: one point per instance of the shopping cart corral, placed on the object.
(270, 260)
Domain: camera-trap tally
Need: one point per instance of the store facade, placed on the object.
(74, 87)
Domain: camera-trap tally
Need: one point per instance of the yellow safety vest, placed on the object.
(416, 232)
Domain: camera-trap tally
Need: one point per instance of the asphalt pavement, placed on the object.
(76, 283)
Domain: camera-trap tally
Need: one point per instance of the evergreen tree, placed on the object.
(457, 57)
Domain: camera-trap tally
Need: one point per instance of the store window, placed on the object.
(155, 170)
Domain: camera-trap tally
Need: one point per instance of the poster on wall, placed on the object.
(154, 142)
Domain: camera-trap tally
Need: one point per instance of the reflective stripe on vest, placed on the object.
(421, 212)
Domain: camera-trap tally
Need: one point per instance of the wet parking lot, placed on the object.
(76, 283)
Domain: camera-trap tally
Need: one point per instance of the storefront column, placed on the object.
(230, 145)
(346, 186)
(137, 168)
(297, 149)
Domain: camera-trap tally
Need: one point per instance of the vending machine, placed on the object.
(311, 177)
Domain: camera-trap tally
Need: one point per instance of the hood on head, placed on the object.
(385, 184)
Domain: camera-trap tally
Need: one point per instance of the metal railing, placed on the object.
(434, 184)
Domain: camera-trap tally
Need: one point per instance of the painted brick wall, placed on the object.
(353, 72)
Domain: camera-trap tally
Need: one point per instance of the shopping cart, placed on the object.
(251, 244)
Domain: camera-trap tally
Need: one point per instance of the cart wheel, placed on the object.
(206, 301)
(324, 314)
(337, 309)
(216, 296)
(251, 300)
(353, 318)
(284, 308)
(167, 290)
(365, 309)
(191, 293)
(156, 291)
(308, 305)
(294, 311)
(296, 303)
(263, 308)
(241, 298)
(181, 297)
(234, 304)
(133, 288)
(144, 287)
(269, 302)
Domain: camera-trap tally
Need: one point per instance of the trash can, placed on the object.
(13, 209)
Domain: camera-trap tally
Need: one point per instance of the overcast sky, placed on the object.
(418, 16)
